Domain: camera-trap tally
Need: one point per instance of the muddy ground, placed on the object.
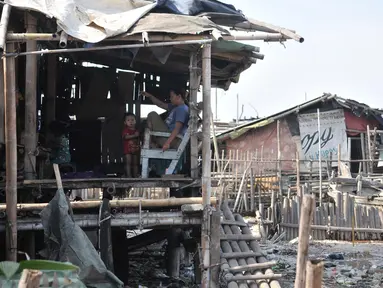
(345, 265)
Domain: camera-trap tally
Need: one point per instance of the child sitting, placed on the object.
(130, 136)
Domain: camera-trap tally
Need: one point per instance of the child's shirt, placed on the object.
(131, 146)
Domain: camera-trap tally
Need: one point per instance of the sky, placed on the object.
(342, 54)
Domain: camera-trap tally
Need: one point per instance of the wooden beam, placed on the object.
(11, 154)
(30, 103)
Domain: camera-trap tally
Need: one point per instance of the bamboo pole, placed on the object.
(339, 157)
(30, 279)
(11, 154)
(109, 47)
(240, 247)
(131, 203)
(370, 164)
(320, 159)
(206, 164)
(241, 186)
(267, 37)
(194, 83)
(215, 143)
(335, 228)
(266, 27)
(314, 274)
(299, 192)
(279, 166)
(2, 108)
(128, 222)
(363, 147)
(63, 39)
(254, 246)
(4, 25)
(215, 256)
(253, 267)
(303, 245)
(30, 103)
(252, 191)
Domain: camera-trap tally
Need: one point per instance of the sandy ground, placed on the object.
(362, 265)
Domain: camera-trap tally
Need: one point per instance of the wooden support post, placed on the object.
(206, 163)
(11, 154)
(215, 249)
(314, 274)
(194, 83)
(106, 249)
(303, 245)
(30, 103)
(50, 107)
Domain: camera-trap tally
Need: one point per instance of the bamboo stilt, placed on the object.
(11, 154)
(206, 163)
(304, 234)
(314, 274)
(4, 25)
(30, 103)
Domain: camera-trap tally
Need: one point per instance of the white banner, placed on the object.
(333, 133)
(90, 21)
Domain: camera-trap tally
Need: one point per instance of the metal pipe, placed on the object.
(206, 164)
(11, 154)
(110, 47)
(4, 25)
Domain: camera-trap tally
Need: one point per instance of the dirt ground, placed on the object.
(345, 265)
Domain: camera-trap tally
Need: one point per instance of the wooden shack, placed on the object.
(89, 73)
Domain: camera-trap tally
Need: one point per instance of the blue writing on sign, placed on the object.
(312, 139)
(325, 154)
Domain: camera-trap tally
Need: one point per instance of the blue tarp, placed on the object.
(198, 7)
